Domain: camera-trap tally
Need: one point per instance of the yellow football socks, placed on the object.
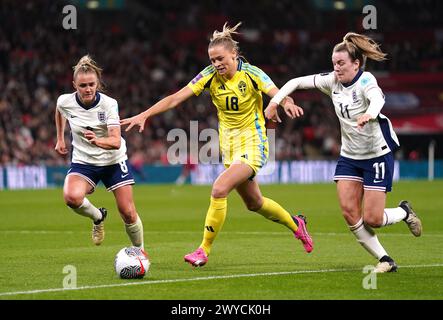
(273, 211)
(214, 222)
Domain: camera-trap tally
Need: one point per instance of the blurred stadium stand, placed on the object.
(152, 48)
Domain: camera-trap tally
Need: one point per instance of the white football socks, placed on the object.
(135, 232)
(393, 215)
(368, 239)
(87, 209)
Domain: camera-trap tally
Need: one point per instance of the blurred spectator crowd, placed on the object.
(152, 49)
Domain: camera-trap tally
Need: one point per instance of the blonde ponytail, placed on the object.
(86, 65)
(224, 37)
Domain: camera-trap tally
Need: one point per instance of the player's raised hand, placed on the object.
(138, 120)
(271, 112)
(291, 109)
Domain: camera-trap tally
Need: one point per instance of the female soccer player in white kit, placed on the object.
(98, 152)
(365, 168)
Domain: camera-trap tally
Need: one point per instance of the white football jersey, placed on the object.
(102, 114)
(377, 137)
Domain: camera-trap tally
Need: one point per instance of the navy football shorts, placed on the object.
(113, 176)
(375, 174)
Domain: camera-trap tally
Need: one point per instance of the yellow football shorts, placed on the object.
(247, 147)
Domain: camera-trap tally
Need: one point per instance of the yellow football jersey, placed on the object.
(239, 105)
(238, 100)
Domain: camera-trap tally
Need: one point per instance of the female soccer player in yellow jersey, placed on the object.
(235, 87)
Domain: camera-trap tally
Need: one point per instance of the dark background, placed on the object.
(149, 49)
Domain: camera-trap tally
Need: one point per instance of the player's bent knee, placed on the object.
(373, 221)
(73, 200)
(219, 191)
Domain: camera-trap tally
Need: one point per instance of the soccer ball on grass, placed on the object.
(131, 263)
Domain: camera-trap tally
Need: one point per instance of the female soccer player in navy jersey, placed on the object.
(365, 168)
(236, 90)
(98, 152)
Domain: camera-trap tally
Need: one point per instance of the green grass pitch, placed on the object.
(252, 258)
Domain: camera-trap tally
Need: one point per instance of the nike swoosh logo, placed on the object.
(377, 181)
(124, 175)
(142, 269)
(334, 92)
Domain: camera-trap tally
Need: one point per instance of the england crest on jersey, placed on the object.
(354, 96)
(101, 116)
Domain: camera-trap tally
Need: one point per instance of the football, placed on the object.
(131, 263)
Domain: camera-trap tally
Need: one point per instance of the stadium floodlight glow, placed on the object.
(92, 4)
(339, 5)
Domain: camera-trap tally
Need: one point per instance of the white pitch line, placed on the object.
(36, 232)
(199, 279)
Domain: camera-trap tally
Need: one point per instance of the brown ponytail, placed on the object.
(360, 47)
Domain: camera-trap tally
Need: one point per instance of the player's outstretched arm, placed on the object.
(163, 105)
(291, 109)
(281, 97)
(60, 124)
